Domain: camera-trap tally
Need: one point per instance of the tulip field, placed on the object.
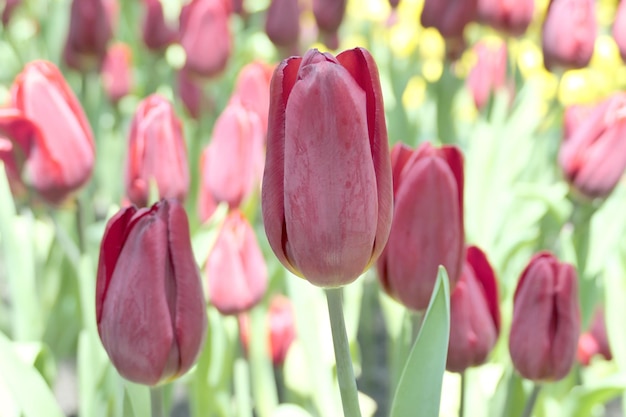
(312, 208)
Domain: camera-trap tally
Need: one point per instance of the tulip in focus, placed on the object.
(594, 341)
(329, 15)
(569, 34)
(509, 16)
(619, 29)
(149, 305)
(235, 268)
(282, 23)
(51, 143)
(117, 72)
(593, 157)
(546, 319)
(427, 229)
(157, 153)
(327, 191)
(156, 33)
(474, 313)
(489, 73)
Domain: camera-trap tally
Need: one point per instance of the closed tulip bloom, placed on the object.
(156, 33)
(474, 313)
(593, 157)
(449, 17)
(569, 34)
(192, 95)
(205, 35)
(150, 309)
(117, 72)
(282, 23)
(53, 145)
(329, 15)
(156, 153)
(573, 117)
(594, 341)
(427, 228)
(619, 29)
(509, 16)
(235, 269)
(546, 319)
(7, 11)
(327, 191)
(489, 73)
(252, 89)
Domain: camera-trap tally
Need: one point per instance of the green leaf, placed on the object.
(583, 399)
(138, 397)
(419, 391)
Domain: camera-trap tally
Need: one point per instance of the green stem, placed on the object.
(156, 402)
(263, 382)
(530, 403)
(80, 224)
(242, 388)
(462, 398)
(345, 374)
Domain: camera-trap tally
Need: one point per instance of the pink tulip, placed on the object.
(509, 16)
(252, 89)
(619, 29)
(117, 72)
(594, 341)
(282, 23)
(489, 73)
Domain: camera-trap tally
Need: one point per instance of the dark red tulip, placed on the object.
(150, 309)
(329, 15)
(157, 154)
(282, 23)
(52, 143)
(546, 319)
(474, 313)
(449, 17)
(594, 341)
(509, 16)
(593, 157)
(191, 93)
(327, 191)
(235, 269)
(569, 34)
(117, 72)
(156, 33)
(7, 11)
(427, 228)
(489, 73)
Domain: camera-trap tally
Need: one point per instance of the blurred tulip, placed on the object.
(156, 33)
(252, 89)
(427, 228)
(449, 17)
(394, 3)
(191, 94)
(235, 268)
(281, 323)
(237, 7)
(282, 23)
(327, 191)
(205, 36)
(91, 28)
(117, 72)
(156, 152)
(509, 16)
(573, 117)
(619, 29)
(569, 34)
(7, 11)
(232, 163)
(474, 313)
(546, 319)
(329, 15)
(595, 341)
(593, 157)
(150, 309)
(51, 140)
(489, 73)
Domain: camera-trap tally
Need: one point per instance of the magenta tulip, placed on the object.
(509, 16)
(449, 17)
(156, 33)
(489, 74)
(282, 23)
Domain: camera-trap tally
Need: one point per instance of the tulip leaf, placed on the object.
(26, 384)
(419, 390)
(583, 399)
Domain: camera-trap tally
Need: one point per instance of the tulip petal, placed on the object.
(487, 279)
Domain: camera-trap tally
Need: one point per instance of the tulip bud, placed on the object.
(252, 89)
(7, 11)
(236, 270)
(573, 117)
(546, 319)
(449, 17)
(329, 15)
(205, 36)
(156, 33)
(569, 34)
(282, 23)
(327, 191)
(91, 28)
(232, 164)
(191, 94)
(156, 152)
(489, 73)
(619, 29)
(149, 306)
(427, 228)
(595, 341)
(509, 16)
(590, 158)
(474, 313)
(52, 142)
(117, 72)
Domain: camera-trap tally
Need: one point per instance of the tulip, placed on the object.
(449, 17)
(156, 33)
(252, 89)
(594, 341)
(427, 228)
(205, 36)
(7, 11)
(619, 29)
(329, 15)
(593, 157)
(282, 23)
(327, 191)
(232, 164)
(191, 94)
(52, 142)
(489, 73)
(509, 16)
(156, 152)
(117, 72)
(91, 28)
(236, 270)
(150, 310)
(546, 319)
(573, 116)
(474, 313)
(569, 34)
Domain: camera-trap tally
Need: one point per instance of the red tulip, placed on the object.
(427, 228)
(117, 72)
(489, 73)
(594, 341)
(327, 192)
(236, 270)
(509, 16)
(546, 319)
(156, 152)
(449, 17)
(52, 143)
(474, 313)
(252, 89)
(593, 157)
(282, 23)
(191, 94)
(156, 33)
(569, 34)
(149, 306)
(205, 36)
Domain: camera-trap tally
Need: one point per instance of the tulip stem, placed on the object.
(532, 399)
(156, 401)
(345, 374)
(462, 396)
